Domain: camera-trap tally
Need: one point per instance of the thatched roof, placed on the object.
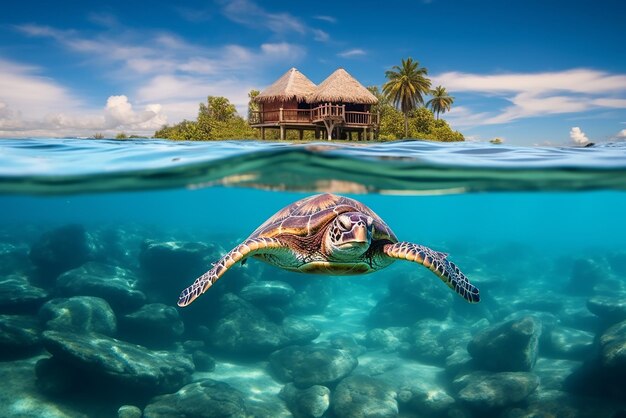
(341, 87)
(292, 85)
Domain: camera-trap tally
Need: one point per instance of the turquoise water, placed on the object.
(98, 238)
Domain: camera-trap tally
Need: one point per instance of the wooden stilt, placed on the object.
(263, 133)
(282, 133)
(301, 132)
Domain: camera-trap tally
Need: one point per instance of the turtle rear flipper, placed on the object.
(247, 248)
(438, 263)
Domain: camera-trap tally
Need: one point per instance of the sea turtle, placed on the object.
(333, 235)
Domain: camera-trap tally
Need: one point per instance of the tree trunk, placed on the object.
(406, 125)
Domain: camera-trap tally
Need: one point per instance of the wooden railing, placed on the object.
(318, 114)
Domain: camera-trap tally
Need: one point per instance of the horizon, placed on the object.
(529, 73)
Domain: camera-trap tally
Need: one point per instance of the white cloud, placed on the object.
(538, 94)
(320, 35)
(352, 53)
(250, 14)
(620, 135)
(329, 19)
(32, 105)
(578, 136)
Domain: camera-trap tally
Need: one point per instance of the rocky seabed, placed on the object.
(89, 328)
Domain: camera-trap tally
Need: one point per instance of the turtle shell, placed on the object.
(308, 216)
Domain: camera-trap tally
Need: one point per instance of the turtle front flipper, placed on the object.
(437, 262)
(245, 249)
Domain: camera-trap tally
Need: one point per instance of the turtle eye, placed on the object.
(345, 223)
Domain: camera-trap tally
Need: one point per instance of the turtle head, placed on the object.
(349, 235)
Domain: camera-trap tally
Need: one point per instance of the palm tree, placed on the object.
(441, 101)
(406, 87)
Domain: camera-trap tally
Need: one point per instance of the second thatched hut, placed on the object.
(338, 107)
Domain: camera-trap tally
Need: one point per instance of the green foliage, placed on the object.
(121, 135)
(497, 141)
(253, 106)
(441, 101)
(217, 119)
(406, 87)
(421, 125)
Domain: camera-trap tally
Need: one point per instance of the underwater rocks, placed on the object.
(243, 329)
(483, 391)
(567, 343)
(205, 399)
(507, 346)
(585, 275)
(364, 396)
(418, 388)
(613, 349)
(19, 336)
(432, 341)
(311, 402)
(411, 297)
(114, 284)
(19, 296)
(610, 309)
(268, 292)
(168, 266)
(20, 397)
(312, 365)
(387, 339)
(79, 314)
(60, 250)
(105, 361)
(154, 325)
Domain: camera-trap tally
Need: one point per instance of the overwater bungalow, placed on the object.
(337, 108)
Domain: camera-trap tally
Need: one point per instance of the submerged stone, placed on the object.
(19, 336)
(508, 346)
(60, 250)
(419, 388)
(115, 362)
(268, 292)
(114, 284)
(312, 402)
(312, 365)
(128, 411)
(364, 396)
(567, 343)
(243, 329)
(80, 314)
(433, 341)
(411, 297)
(153, 325)
(164, 263)
(205, 399)
(486, 391)
(17, 295)
(610, 309)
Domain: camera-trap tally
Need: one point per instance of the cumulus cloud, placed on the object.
(578, 136)
(620, 135)
(537, 94)
(32, 105)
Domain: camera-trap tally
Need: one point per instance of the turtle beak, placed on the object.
(360, 234)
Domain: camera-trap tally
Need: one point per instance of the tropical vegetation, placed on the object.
(403, 113)
(407, 87)
(441, 101)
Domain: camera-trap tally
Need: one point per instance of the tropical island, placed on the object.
(294, 108)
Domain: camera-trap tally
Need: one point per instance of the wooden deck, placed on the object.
(316, 116)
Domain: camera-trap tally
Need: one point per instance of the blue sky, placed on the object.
(531, 72)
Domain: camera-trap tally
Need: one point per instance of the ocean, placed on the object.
(99, 237)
